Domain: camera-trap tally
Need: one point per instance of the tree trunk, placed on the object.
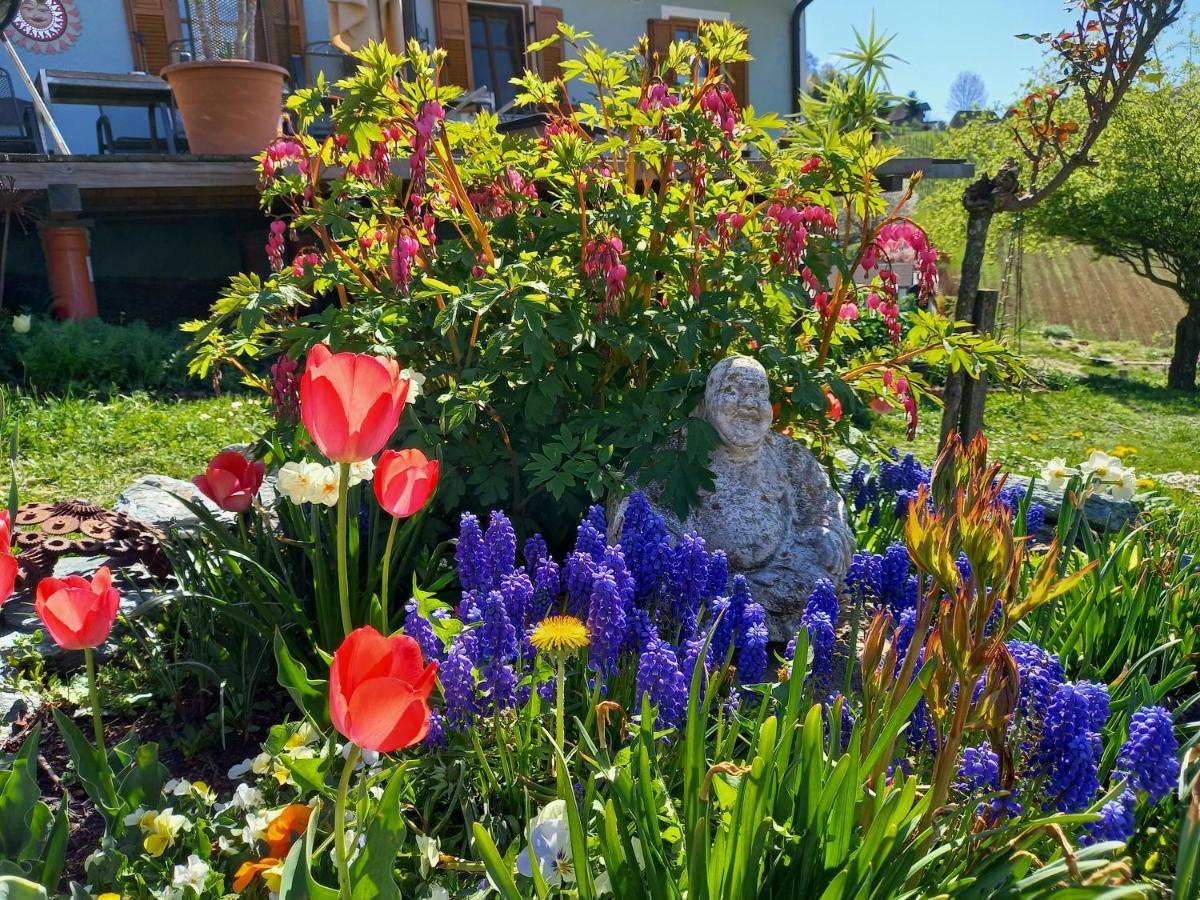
(1182, 374)
(979, 220)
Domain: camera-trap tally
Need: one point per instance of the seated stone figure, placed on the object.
(772, 509)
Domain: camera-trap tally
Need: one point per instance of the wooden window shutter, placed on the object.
(545, 24)
(153, 27)
(283, 22)
(659, 31)
(453, 31)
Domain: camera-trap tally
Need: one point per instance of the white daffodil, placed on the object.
(415, 379)
(299, 482)
(191, 874)
(1123, 484)
(325, 486)
(362, 471)
(1100, 466)
(1056, 474)
(549, 845)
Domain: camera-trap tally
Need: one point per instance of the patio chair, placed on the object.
(108, 144)
(18, 127)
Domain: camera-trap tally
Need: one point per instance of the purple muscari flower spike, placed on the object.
(471, 556)
(691, 649)
(420, 630)
(1069, 750)
(718, 574)
(660, 678)
(688, 577)
(1035, 518)
(589, 540)
(606, 621)
(823, 599)
(789, 652)
(1097, 699)
(595, 515)
(1040, 674)
(909, 599)
(964, 567)
(577, 575)
(752, 652)
(827, 706)
(820, 638)
(497, 637)
(535, 552)
(907, 624)
(548, 689)
(1150, 755)
(639, 630)
(501, 543)
(458, 682)
(646, 545)
(979, 773)
(893, 576)
(726, 624)
(863, 578)
(469, 607)
(435, 738)
(547, 585)
(614, 559)
(517, 590)
(1116, 820)
(498, 683)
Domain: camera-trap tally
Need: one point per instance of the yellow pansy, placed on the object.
(160, 830)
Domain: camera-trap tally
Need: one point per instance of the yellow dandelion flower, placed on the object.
(1034, 438)
(559, 634)
(109, 896)
(1145, 482)
(1075, 435)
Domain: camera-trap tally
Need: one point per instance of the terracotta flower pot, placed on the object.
(229, 106)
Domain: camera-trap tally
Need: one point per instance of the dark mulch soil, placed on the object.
(210, 765)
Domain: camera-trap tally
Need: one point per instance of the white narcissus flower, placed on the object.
(361, 471)
(1100, 466)
(1123, 484)
(192, 874)
(1056, 474)
(22, 324)
(416, 379)
(325, 486)
(549, 845)
(300, 482)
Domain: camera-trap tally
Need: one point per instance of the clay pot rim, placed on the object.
(194, 64)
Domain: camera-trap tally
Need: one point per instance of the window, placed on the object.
(497, 47)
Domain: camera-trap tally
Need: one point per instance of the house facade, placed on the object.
(486, 41)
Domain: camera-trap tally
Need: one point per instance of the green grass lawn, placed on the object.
(93, 448)
(1080, 405)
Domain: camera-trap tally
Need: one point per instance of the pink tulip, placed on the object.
(78, 614)
(350, 402)
(231, 481)
(404, 481)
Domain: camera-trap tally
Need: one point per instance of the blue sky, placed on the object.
(937, 39)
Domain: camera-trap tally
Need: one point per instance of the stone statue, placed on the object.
(772, 509)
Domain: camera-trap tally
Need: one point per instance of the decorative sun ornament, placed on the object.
(46, 26)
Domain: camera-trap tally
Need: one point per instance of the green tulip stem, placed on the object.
(387, 571)
(559, 728)
(89, 656)
(339, 824)
(342, 541)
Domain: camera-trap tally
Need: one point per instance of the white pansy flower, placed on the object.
(255, 828)
(1056, 474)
(261, 764)
(549, 846)
(415, 379)
(135, 817)
(192, 874)
(241, 769)
(246, 797)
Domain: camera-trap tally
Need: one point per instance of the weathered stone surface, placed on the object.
(15, 707)
(155, 500)
(772, 510)
(1102, 512)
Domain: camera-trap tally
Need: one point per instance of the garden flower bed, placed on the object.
(452, 700)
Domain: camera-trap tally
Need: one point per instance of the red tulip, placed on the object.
(350, 402)
(231, 481)
(404, 481)
(835, 405)
(78, 614)
(379, 690)
(8, 562)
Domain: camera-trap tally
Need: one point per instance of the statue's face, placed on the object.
(741, 411)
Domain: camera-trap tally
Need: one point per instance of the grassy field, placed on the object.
(1079, 404)
(93, 448)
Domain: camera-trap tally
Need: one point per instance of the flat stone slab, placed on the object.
(156, 500)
